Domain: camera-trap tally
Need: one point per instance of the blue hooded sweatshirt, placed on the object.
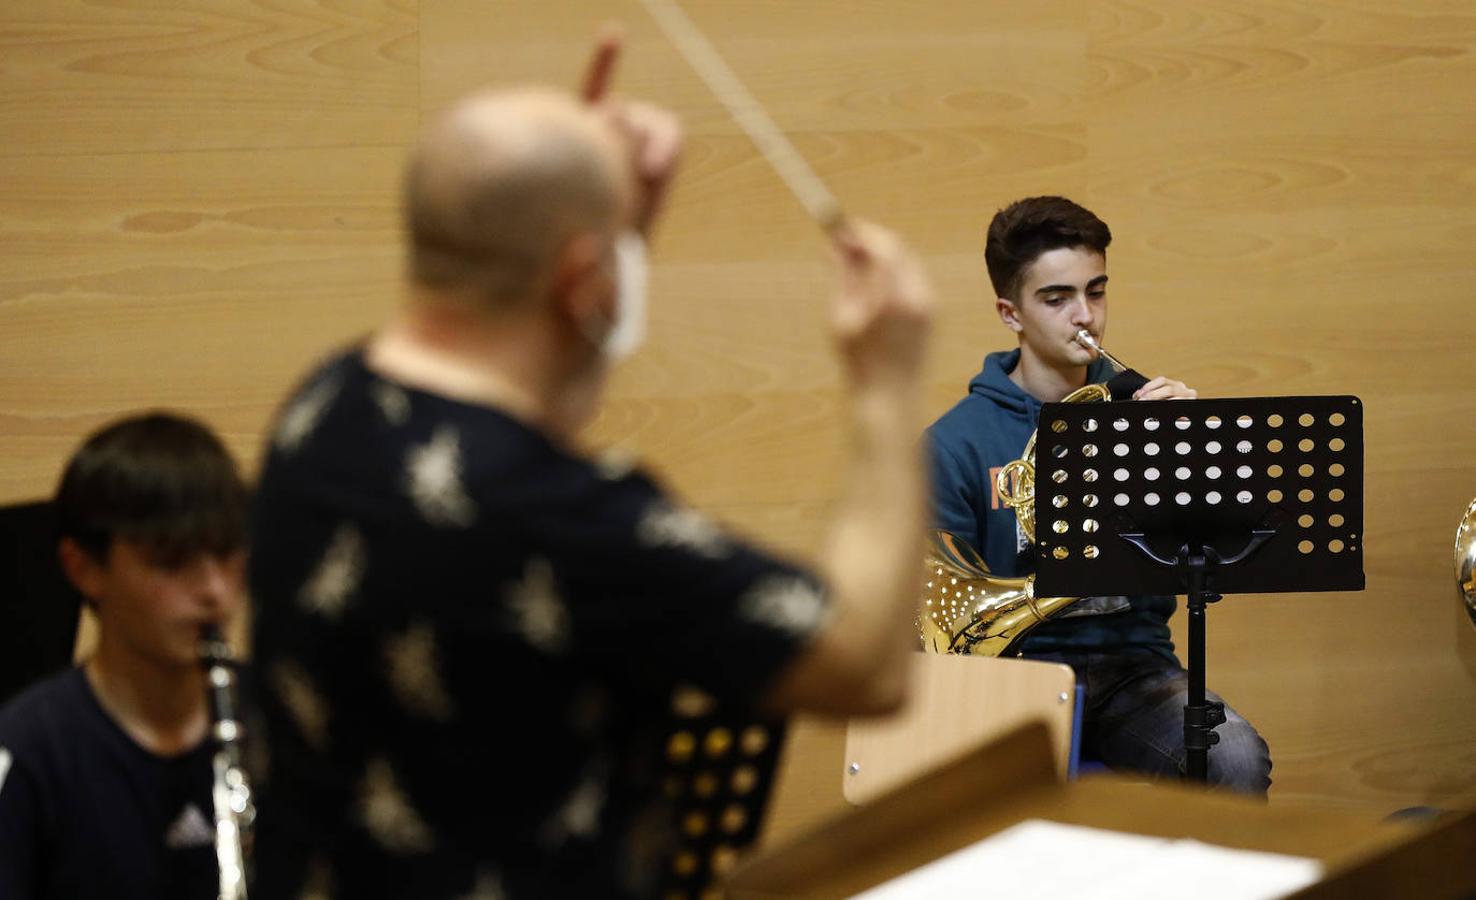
(968, 445)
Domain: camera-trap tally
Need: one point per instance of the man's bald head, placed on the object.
(500, 184)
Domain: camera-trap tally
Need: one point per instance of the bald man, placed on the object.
(468, 626)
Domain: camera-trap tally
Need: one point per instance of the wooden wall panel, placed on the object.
(200, 198)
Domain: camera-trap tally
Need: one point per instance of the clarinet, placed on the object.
(230, 793)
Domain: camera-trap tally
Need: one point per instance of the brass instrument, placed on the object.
(1465, 560)
(230, 793)
(966, 608)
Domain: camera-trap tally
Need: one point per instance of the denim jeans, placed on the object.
(1134, 721)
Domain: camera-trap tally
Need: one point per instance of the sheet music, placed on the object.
(1040, 860)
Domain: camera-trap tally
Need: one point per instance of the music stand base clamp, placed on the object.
(1195, 571)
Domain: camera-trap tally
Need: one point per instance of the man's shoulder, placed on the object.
(34, 716)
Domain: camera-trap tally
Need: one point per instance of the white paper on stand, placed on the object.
(1040, 860)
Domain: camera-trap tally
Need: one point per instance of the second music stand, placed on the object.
(1200, 497)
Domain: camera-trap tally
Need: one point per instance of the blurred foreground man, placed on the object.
(105, 769)
(469, 628)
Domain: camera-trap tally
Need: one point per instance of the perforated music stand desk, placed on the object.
(1013, 779)
(1203, 498)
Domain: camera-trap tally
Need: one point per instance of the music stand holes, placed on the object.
(1151, 473)
(734, 818)
(1305, 470)
(1273, 471)
(1182, 498)
(1274, 420)
(1059, 426)
(685, 863)
(1121, 499)
(1182, 423)
(1274, 495)
(1336, 520)
(1305, 445)
(1060, 526)
(1212, 472)
(681, 746)
(1059, 476)
(1304, 495)
(1212, 498)
(1090, 501)
(1060, 553)
(1212, 447)
(1243, 471)
(1336, 445)
(1274, 445)
(1243, 497)
(1089, 450)
(705, 785)
(1305, 520)
(1120, 424)
(1090, 551)
(1335, 546)
(1150, 448)
(1304, 547)
(1213, 422)
(745, 779)
(695, 824)
(1151, 423)
(754, 740)
(1059, 501)
(1150, 498)
(1089, 476)
(1120, 449)
(1243, 447)
(1305, 420)
(1089, 426)
(1120, 474)
(1059, 451)
(723, 860)
(1182, 448)
(1089, 526)
(1182, 473)
(1336, 470)
(1336, 419)
(1336, 495)
(718, 742)
(1244, 421)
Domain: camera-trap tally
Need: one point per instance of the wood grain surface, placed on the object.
(199, 199)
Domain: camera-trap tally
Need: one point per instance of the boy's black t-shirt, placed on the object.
(85, 812)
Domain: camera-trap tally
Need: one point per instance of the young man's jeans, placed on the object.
(1135, 721)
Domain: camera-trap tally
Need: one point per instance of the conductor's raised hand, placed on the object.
(883, 310)
(652, 135)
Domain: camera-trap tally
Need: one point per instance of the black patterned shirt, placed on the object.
(466, 640)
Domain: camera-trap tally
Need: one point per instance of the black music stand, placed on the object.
(1203, 497)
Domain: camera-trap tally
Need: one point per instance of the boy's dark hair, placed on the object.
(160, 480)
(1025, 229)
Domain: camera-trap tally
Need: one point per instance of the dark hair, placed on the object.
(1025, 229)
(161, 480)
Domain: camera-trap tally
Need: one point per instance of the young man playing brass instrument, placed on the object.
(1047, 260)
(105, 769)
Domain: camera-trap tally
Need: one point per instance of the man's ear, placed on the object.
(85, 573)
(1009, 314)
(582, 287)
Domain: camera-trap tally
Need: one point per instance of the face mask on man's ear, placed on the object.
(628, 331)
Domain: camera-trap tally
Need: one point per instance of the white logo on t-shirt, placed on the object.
(4, 766)
(191, 829)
